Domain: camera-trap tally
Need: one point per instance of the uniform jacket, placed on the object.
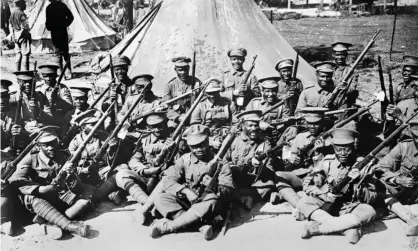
(231, 81)
(177, 87)
(260, 104)
(213, 115)
(63, 103)
(404, 91)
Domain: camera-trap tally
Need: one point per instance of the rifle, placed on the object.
(240, 99)
(405, 192)
(276, 106)
(349, 74)
(384, 103)
(292, 101)
(58, 84)
(391, 96)
(16, 118)
(101, 95)
(371, 157)
(77, 154)
(33, 86)
(112, 74)
(99, 155)
(193, 74)
(7, 172)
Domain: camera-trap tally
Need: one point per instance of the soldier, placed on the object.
(181, 84)
(145, 162)
(235, 90)
(21, 34)
(243, 156)
(70, 128)
(406, 89)
(58, 19)
(59, 102)
(215, 112)
(332, 213)
(180, 203)
(298, 164)
(340, 55)
(57, 205)
(286, 85)
(318, 95)
(400, 174)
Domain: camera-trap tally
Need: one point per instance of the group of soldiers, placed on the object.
(206, 148)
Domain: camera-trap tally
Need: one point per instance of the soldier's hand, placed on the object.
(206, 180)
(291, 92)
(68, 168)
(169, 143)
(190, 195)
(331, 197)
(405, 181)
(255, 162)
(294, 159)
(341, 86)
(319, 143)
(354, 174)
(32, 103)
(394, 111)
(215, 143)
(16, 129)
(264, 126)
(112, 94)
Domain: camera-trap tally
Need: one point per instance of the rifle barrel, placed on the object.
(276, 105)
(101, 95)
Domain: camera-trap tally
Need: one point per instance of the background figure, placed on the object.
(58, 18)
(20, 34)
(5, 15)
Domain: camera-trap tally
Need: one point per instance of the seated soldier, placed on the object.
(56, 202)
(400, 174)
(346, 211)
(243, 155)
(298, 163)
(180, 203)
(215, 112)
(147, 161)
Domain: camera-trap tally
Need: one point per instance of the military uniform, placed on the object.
(404, 91)
(21, 33)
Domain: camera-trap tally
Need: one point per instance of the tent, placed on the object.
(87, 32)
(210, 28)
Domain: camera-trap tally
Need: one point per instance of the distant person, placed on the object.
(5, 15)
(20, 34)
(58, 19)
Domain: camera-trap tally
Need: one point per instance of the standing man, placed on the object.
(406, 89)
(21, 34)
(181, 84)
(5, 15)
(235, 90)
(58, 19)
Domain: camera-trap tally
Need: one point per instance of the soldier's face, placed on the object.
(314, 128)
(26, 86)
(237, 62)
(269, 95)
(4, 102)
(49, 149)
(50, 78)
(157, 130)
(407, 71)
(251, 129)
(344, 152)
(182, 72)
(213, 96)
(286, 73)
(324, 78)
(121, 72)
(200, 150)
(340, 57)
(80, 102)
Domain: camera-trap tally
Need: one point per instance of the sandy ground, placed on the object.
(267, 226)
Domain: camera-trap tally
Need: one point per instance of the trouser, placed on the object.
(171, 207)
(23, 50)
(288, 180)
(9, 203)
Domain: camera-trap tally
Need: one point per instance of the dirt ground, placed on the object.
(266, 226)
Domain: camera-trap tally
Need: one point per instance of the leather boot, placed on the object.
(169, 226)
(79, 207)
(143, 213)
(334, 224)
(78, 228)
(353, 235)
(405, 214)
(290, 196)
(137, 193)
(7, 228)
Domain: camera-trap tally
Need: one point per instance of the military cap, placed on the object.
(287, 62)
(251, 115)
(325, 66)
(18, 1)
(49, 134)
(155, 118)
(340, 46)
(121, 60)
(343, 136)
(181, 61)
(79, 90)
(314, 114)
(237, 52)
(214, 85)
(48, 68)
(413, 127)
(87, 117)
(410, 61)
(196, 134)
(142, 79)
(4, 86)
(269, 83)
(24, 75)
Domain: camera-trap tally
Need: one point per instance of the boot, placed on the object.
(142, 214)
(405, 214)
(167, 226)
(7, 228)
(207, 231)
(353, 235)
(116, 197)
(18, 61)
(79, 207)
(104, 190)
(334, 224)
(50, 230)
(290, 196)
(275, 198)
(137, 193)
(79, 228)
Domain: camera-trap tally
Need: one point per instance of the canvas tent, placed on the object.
(209, 27)
(87, 32)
